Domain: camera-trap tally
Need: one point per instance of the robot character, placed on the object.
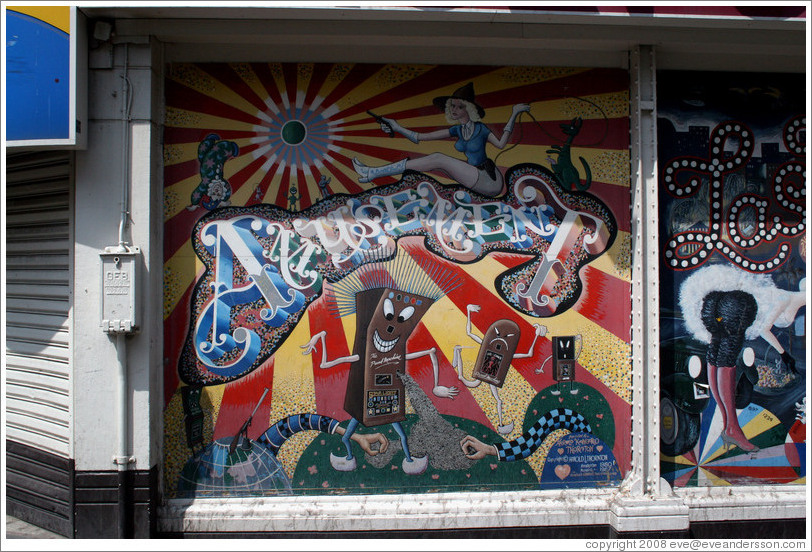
(375, 395)
(293, 198)
(564, 357)
(497, 350)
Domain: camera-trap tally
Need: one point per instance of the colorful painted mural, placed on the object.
(733, 272)
(353, 250)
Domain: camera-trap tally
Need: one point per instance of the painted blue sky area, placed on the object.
(37, 79)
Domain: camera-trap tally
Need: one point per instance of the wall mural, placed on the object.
(733, 271)
(395, 279)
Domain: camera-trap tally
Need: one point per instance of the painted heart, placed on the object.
(561, 451)
(599, 416)
(599, 447)
(560, 399)
(562, 471)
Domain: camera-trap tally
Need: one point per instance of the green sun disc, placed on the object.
(293, 133)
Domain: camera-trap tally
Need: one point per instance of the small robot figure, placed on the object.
(564, 357)
(293, 198)
(497, 350)
(322, 184)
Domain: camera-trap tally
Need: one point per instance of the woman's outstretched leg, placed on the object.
(457, 169)
(714, 388)
(733, 434)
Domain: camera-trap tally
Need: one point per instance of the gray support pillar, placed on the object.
(645, 501)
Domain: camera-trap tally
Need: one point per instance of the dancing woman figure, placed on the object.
(722, 306)
(477, 172)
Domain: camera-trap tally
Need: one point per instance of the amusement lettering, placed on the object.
(265, 265)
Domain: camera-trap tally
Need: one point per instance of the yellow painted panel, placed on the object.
(56, 16)
(617, 260)
(293, 390)
(180, 271)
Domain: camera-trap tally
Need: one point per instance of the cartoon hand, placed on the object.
(474, 308)
(310, 346)
(388, 125)
(475, 449)
(445, 392)
(540, 330)
(520, 108)
(366, 442)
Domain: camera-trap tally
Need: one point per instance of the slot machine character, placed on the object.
(564, 357)
(375, 395)
(497, 350)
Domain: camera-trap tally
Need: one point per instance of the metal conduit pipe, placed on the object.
(123, 458)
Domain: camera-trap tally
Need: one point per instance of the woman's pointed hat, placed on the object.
(466, 93)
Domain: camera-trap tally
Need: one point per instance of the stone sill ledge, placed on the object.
(474, 510)
(738, 503)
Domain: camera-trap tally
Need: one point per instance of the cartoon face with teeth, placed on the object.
(394, 318)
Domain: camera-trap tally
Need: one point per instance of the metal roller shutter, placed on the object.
(38, 300)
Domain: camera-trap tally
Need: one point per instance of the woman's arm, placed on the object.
(392, 125)
(508, 130)
(434, 135)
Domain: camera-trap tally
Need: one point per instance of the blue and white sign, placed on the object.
(41, 76)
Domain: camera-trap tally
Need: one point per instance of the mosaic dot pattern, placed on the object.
(527, 75)
(608, 359)
(192, 76)
(612, 166)
(172, 154)
(609, 105)
(172, 290)
(171, 203)
(394, 75)
(181, 118)
(623, 264)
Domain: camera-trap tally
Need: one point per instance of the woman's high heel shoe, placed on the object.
(729, 442)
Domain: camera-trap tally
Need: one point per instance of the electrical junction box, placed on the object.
(119, 289)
